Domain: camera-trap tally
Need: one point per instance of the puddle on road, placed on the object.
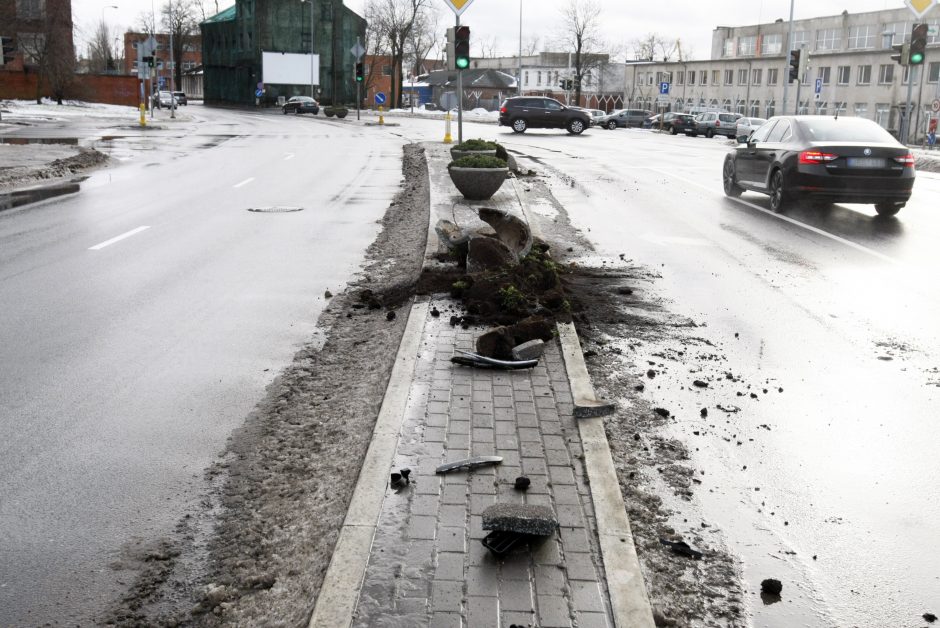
(20, 141)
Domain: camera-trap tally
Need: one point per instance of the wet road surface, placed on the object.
(143, 319)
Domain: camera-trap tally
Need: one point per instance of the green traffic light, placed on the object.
(463, 63)
(917, 58)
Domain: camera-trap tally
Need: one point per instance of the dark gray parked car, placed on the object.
(536, 112)
(624, 118)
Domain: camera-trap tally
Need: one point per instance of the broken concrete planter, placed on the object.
(478, 184)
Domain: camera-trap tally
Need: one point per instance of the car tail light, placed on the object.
(906, 160)
(717, 123)
(503, 109)
(816, 157)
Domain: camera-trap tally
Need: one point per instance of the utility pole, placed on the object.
(519, 84)
(172, 77)
(786, 84)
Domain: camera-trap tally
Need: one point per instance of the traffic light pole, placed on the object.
(906, 126)
(786, 84)
(459, 97)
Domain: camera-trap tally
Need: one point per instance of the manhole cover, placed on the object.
(275, 209)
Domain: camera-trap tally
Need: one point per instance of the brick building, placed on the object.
(192, 53)
(41, 35)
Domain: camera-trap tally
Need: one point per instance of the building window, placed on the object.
(821, 107)
(526, 77)
(901, 33)
(691, 77)
(386, 70)
(862, 36)
(726, 105)
(29, 9)
(716, 77)
(800, 39)
(747, 46)
(886, 74)
(771, 109)
(755, 109)
(742, 76)
(883, 113)
(825, 74)
(739, 107)
(771, 44)
(838, 108)
(728, 49)
(829, 39)
(703, 77)
(680, 78)
(845, 74)
(861, 109)
(803, 108)
(933, 72)
(772, 74)
(729, 77)
(756, 76)
(538, 80)
(933, 37)
(649, 78)
(864, 75)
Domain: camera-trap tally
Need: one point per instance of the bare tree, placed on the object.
(179, 18)
(426, 36)
(395, 21)
(43, 43)
(486, 46)
(654, 46)
(531, 45)
(376, 46)
(102, 57)
(581, 37)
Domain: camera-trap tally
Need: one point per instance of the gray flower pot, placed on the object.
(478, 184)
(457, 154)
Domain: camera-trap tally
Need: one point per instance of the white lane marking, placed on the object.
(98, 247)
(288, 156)
(245, 182)
(825, 234)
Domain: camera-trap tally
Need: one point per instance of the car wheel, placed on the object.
(673, 130)
(693, 134)
(732, 188)
(285, 111)
(519, 125)
(575, 127)
(779, 197)
(888, 209)
(612, 125)
(709, 133)
(297, 111)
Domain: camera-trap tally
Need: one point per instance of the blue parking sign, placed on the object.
(664, 88)
(818, 85)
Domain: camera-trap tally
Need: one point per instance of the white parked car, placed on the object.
(746, 126)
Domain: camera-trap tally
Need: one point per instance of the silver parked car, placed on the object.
(716, 123)
(746, 126)
(624, 118)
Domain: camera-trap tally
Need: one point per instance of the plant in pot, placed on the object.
(478, 177)
(340, 111)
(474, 147)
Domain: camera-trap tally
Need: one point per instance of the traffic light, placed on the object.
(794, 65)
(462, 47)
(918, 44)
(8, 49)
(360, 73)
(902, 53)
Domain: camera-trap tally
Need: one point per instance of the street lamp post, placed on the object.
(312, 55)
(519, 84)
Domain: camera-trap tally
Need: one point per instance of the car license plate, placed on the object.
(866, 162)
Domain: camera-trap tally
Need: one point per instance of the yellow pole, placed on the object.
(447, 137)
(143, 115)
(381, 118)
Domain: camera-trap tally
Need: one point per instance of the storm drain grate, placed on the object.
(275, 210)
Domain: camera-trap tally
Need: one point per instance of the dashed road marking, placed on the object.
(245, 182)
(98, 247)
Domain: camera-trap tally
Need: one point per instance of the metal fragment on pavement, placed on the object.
(469, 463)
(469, 358)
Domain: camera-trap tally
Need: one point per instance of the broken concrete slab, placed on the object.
(451, 235)
(531, 350)
(510, 230)
(588, 408)
(520, 518)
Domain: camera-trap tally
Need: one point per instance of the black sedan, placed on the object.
(301, 104)
(824, 159)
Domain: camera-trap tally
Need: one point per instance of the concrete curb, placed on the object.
(628, 598)
(339, 593)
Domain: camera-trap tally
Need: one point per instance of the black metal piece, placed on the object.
(682, 548)
(522, 483)
(469, 463)
(481, 361)
(500, 541)
(396, 479)
(405, 473)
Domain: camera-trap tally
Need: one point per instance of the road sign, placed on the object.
(818, 85)
(817, 95)
(662, 99)
(458, 6)
(919, 7)
(260, 85)
(664, 88)
(935, 105)
(357, 50)
(380, 98)
(259, 93)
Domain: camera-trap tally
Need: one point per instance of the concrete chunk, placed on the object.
(587, 408)
(520, 518)
(531, 350)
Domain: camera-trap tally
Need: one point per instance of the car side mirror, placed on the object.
(743, 139)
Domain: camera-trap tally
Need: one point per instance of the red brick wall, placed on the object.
(112, 89)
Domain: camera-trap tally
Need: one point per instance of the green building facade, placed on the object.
(233, 40)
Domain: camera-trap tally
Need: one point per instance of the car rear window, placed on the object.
(727, 117)
(844, 129)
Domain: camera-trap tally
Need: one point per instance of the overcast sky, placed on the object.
(498, 20)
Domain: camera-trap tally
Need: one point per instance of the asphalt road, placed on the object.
(837, 307)
(143, 319)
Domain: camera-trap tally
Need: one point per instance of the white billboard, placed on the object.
(288, 68)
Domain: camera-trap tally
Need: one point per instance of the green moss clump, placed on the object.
(478, 161)
(476, 144)
(511, 298)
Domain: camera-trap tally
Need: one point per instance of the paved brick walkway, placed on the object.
(428, 566)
